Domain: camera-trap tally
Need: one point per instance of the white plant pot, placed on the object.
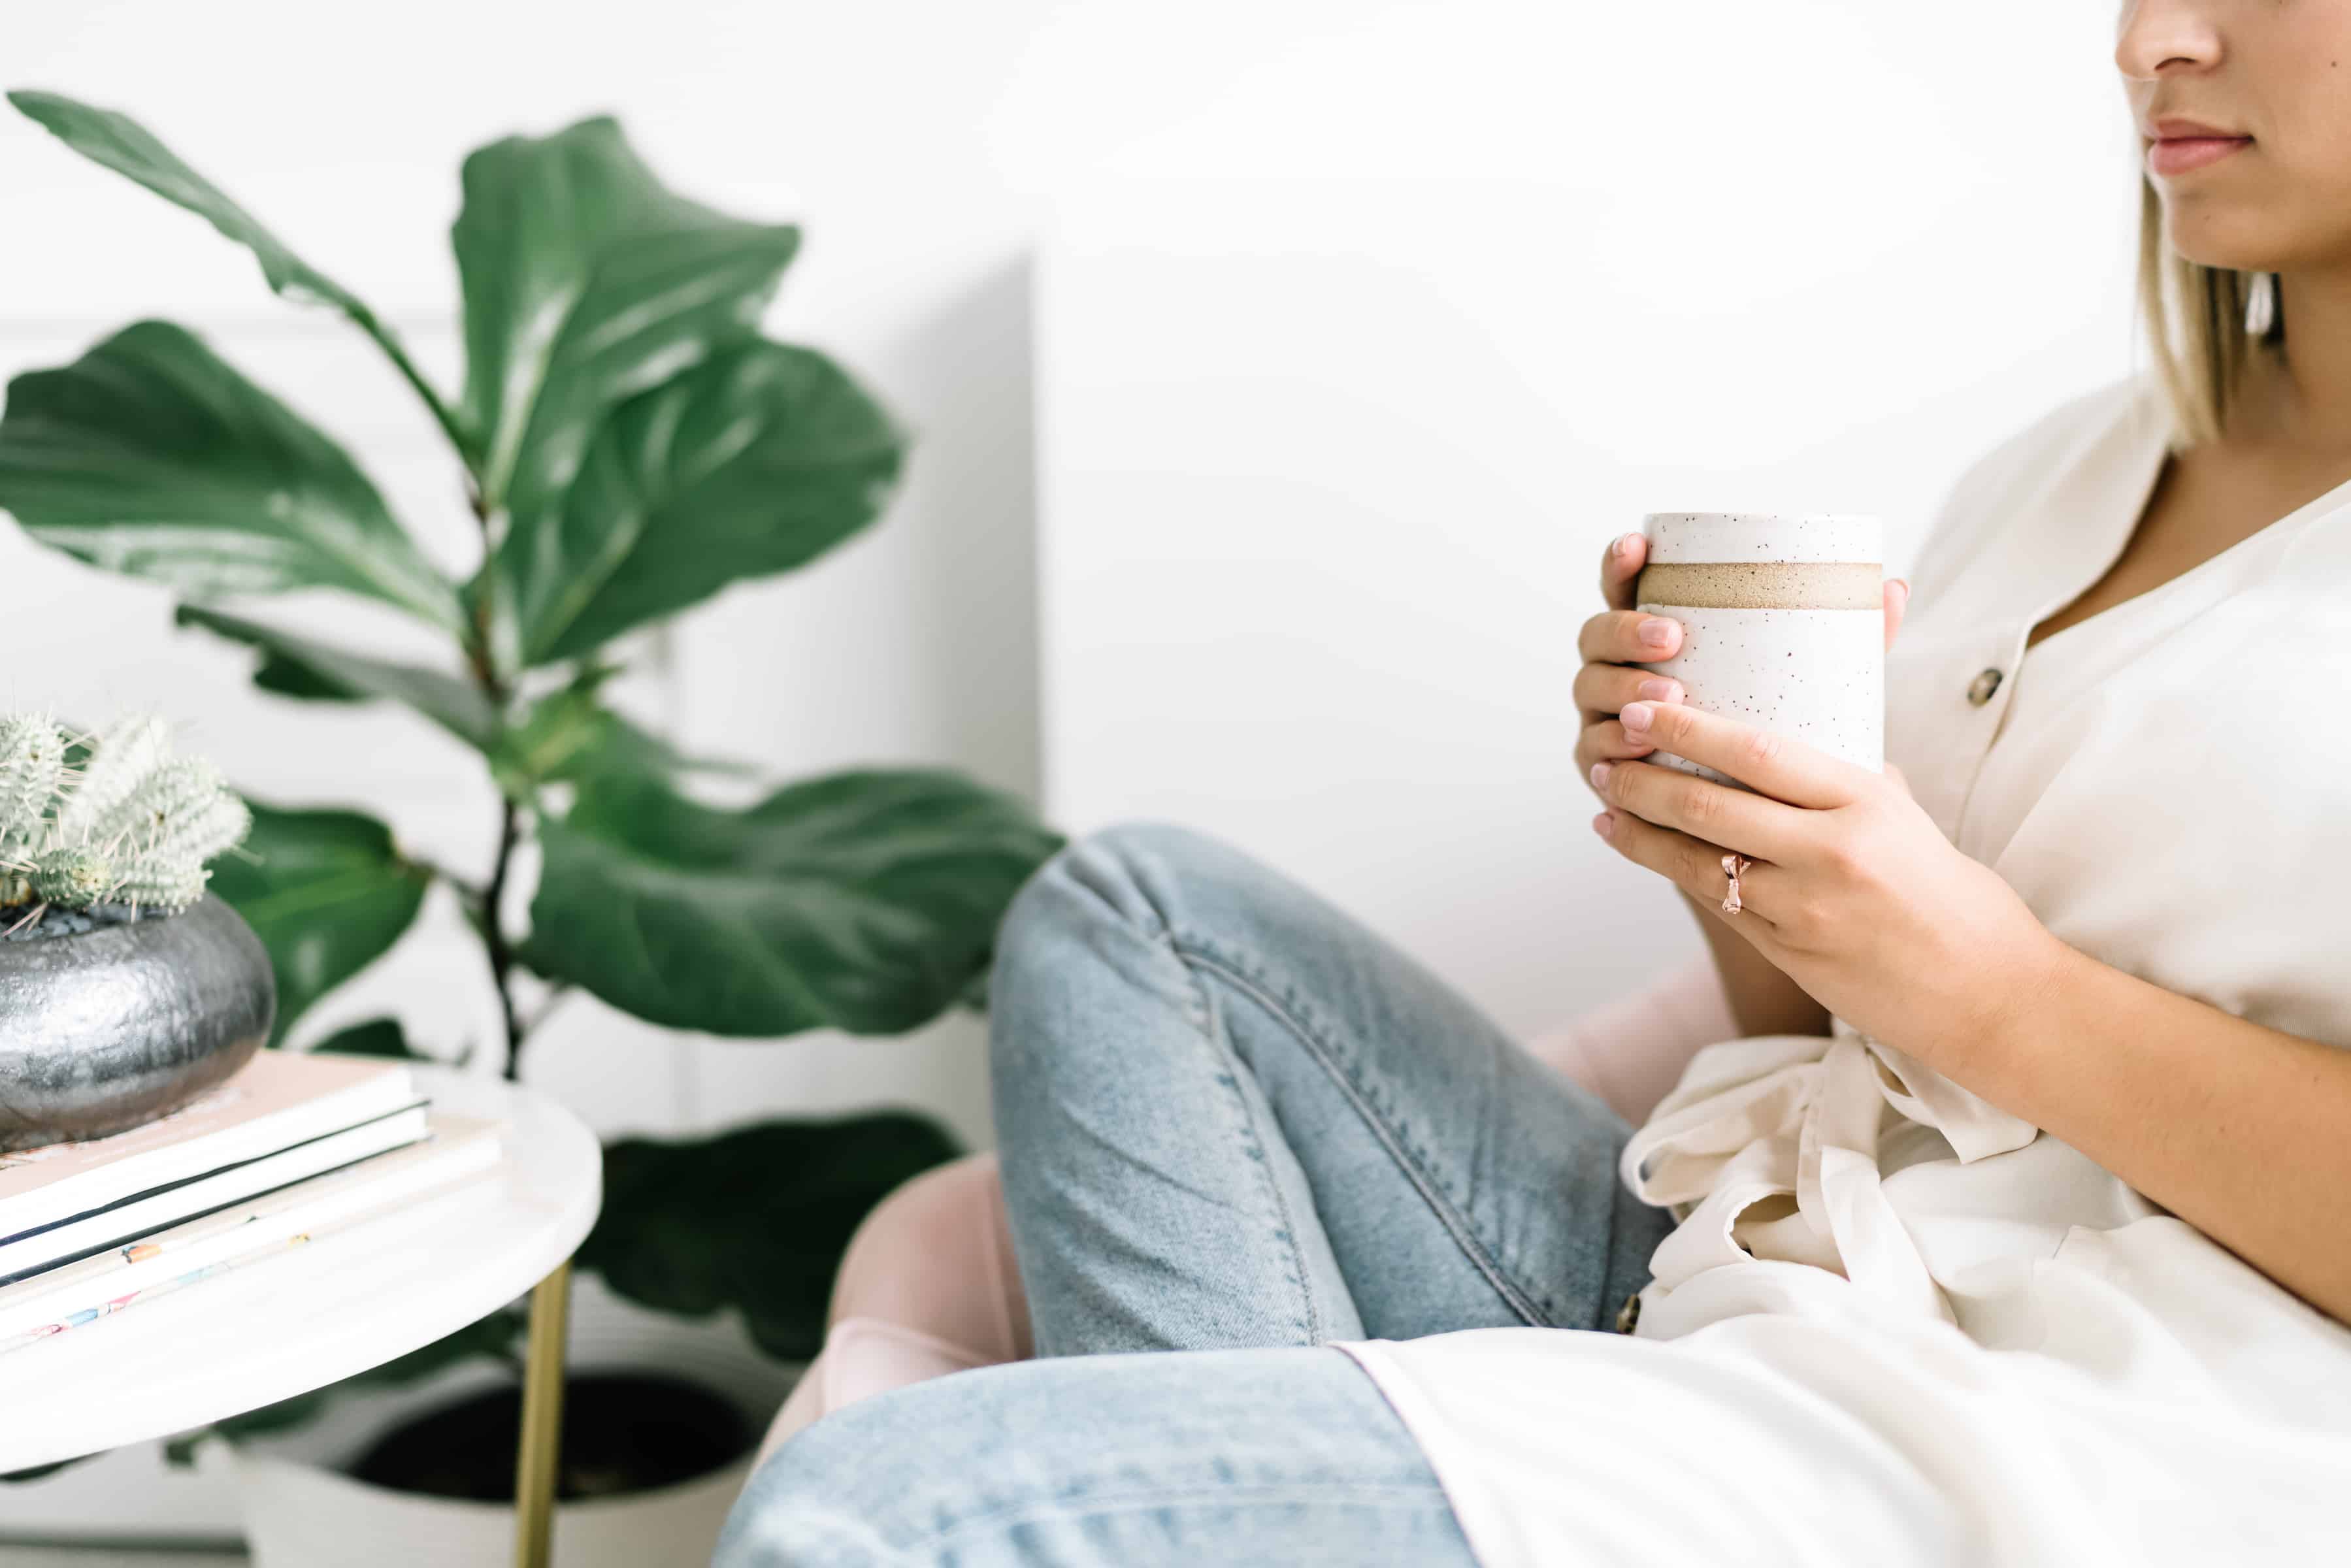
(299, 1515)
(302, 1511)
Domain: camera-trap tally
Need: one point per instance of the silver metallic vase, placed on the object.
(106, 1030)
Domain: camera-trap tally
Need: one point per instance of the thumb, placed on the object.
(1898, 601)
(1620, 568)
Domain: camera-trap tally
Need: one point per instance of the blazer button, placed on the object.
(1980, 689)
(1629, 1313)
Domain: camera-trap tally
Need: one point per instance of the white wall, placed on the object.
(1368, 322)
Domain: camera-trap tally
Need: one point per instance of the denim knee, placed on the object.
(806, 1508)
(1142, 871)
(1066, 943)
(1124, 870)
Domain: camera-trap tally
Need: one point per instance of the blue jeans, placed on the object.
(1235, 1124)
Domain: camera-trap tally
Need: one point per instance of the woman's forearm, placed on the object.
(1764, 1001)
(2243, 1131)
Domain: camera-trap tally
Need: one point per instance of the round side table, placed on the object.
(351, 1299)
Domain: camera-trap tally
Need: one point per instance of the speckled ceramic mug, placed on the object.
(1784, 624)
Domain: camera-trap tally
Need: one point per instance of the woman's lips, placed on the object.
(2178, 154)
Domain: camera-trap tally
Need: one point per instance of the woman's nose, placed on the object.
(2151, 35)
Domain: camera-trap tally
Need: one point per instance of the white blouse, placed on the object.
(1898, 1324)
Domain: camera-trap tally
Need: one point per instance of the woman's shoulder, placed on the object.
(2088, 426)
(2066, 428)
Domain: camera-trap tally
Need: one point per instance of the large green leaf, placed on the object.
(565, 735)
(124, 145)
(755, 463)
(301, 667)
(755, 1218)
(586, 282)
(152, 456)
(863, 901)
(325, 892)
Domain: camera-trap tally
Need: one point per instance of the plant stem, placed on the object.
(481, 656)
(493, 935)
(466, 888)
(391, 345)
(494, 930)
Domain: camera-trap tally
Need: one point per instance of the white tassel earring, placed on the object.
(2260, 304)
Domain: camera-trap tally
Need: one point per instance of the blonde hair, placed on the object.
(2195, 320)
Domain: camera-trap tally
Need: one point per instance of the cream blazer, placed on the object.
(1898, 1324)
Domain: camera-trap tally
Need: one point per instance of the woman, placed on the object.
(2017, 1228)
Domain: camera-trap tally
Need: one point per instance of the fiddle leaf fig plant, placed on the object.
(629, 445)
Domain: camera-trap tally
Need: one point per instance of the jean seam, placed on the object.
(1211, 1026)
(1230, 1075)
(1152, 926)
(1201, 949)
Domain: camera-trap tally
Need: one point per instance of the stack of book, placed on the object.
(289, 1148)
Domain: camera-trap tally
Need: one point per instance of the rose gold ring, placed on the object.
(1732, 865)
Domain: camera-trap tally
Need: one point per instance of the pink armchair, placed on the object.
(927, 1285)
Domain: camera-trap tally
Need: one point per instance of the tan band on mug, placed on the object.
(1763, 585)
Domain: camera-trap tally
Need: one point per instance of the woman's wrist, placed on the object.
(2033, 996)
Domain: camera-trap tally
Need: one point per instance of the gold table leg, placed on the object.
(542, 1419)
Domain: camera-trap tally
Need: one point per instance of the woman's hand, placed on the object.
(1763, 999)
(1620, 639)
(1855, 894)
(1613, 643)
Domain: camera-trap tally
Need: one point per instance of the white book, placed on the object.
(128, 1219)
(274, 1102)
(66, 1297)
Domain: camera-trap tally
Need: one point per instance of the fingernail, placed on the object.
(1657, 631)
(1623, 545)
(1603, 824)
(1600, 772)
(1635, 718)
(1658, 691)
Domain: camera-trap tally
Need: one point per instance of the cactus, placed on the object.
(134, 824)
(32, 773)
(121, 754)
(71, 876)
